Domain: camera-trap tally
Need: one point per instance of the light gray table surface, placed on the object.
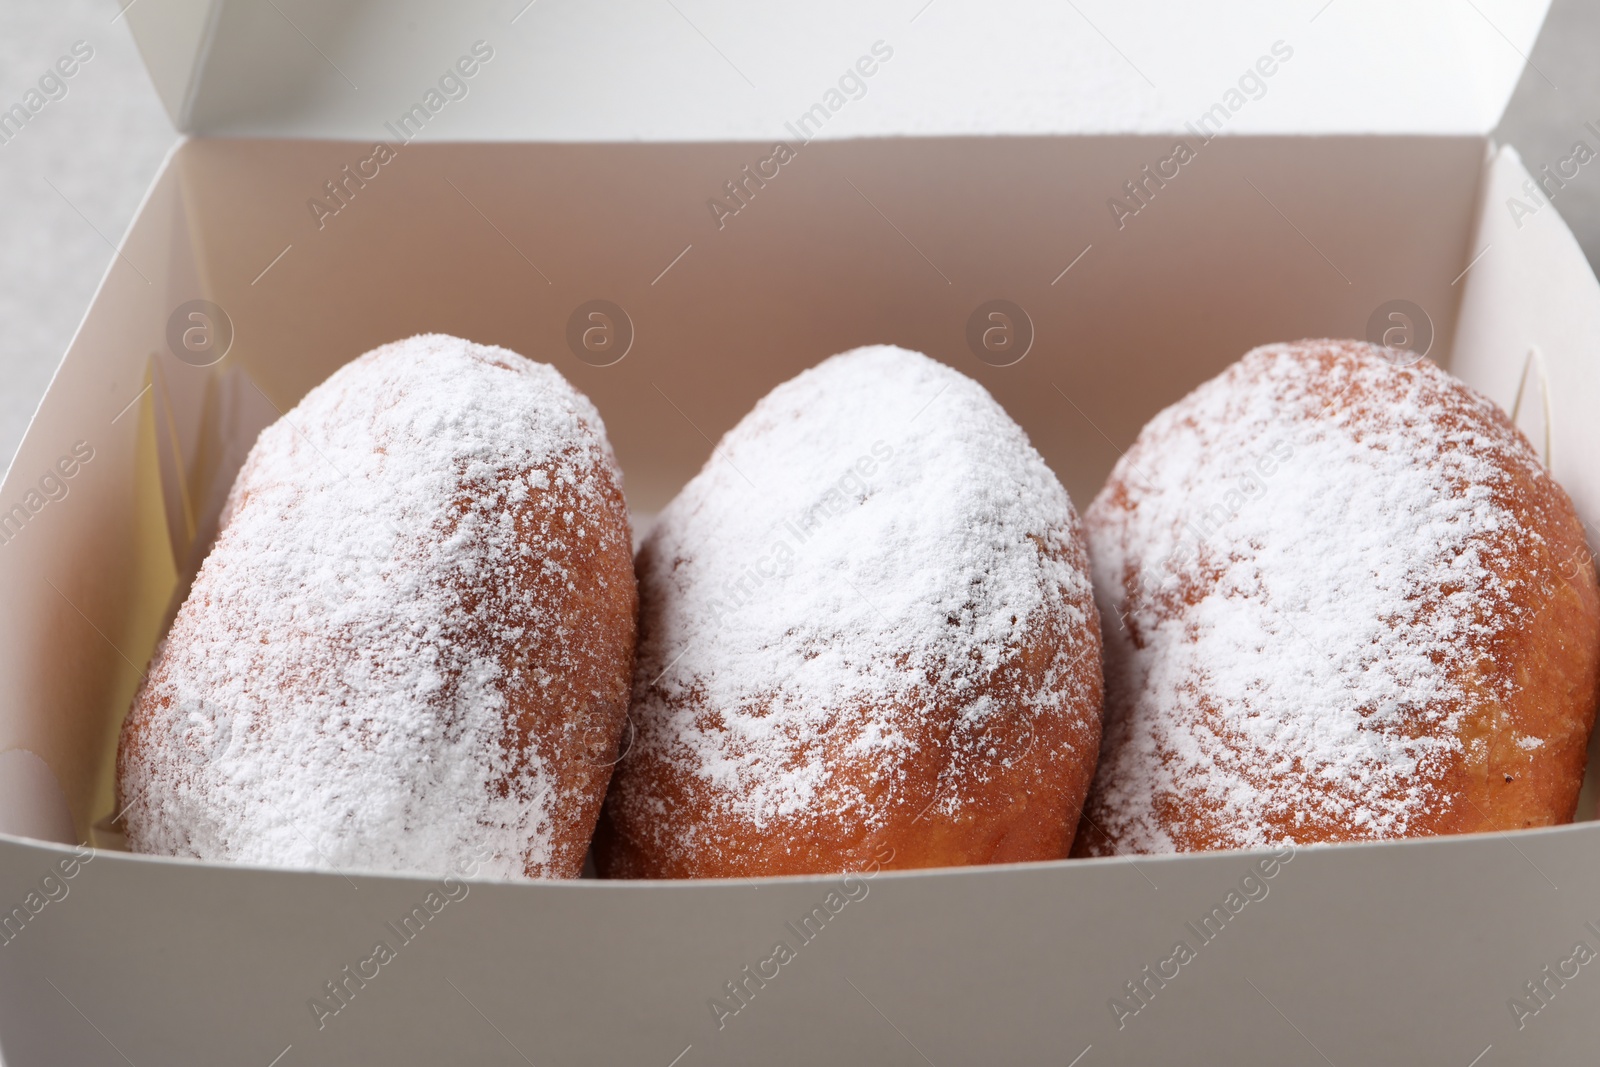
(71, 181)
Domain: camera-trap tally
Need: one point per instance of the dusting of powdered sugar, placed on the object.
(1296, 565)
(874, 539)
(330, 693)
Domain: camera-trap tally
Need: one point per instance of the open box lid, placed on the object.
(711, 70)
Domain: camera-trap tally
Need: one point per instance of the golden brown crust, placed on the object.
(1551, 668)
(898, 666)
(1515, 641)
(1012, 787)
(411, 646)
(571, 720)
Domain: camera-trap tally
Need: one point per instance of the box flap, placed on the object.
(697, 70)
(1529, 327)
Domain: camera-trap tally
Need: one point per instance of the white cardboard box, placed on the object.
(589, 145)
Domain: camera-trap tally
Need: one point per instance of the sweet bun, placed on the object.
(1344, 601)
(411, 645)
(867, 637)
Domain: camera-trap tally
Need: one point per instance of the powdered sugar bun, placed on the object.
(867, 636)
(1344, 601)
(410, 646)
